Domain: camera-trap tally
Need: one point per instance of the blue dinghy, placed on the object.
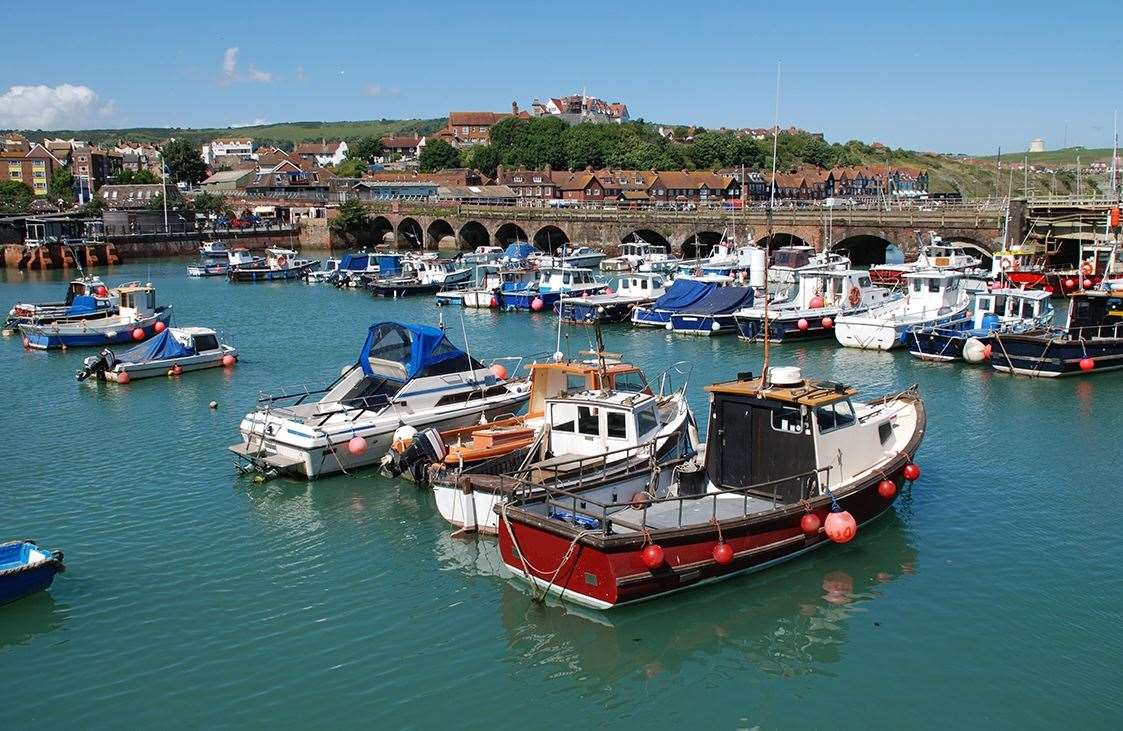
(26, 569)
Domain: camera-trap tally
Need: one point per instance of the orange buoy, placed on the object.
(988, 351)
(1087, 364)
(816, 302)
(356, 445)
(1070, 283)
(537, 304)
(229, 360)
(810, 524)
(123, 377)
(828, 323)
(802, 324)
(723, 553)
(652, 556)
(138, 334)
(841, 526)
(911, 472)
(159, 326)
(887, 489)
(499, 371)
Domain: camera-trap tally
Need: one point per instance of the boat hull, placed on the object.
(22, 581)
(402, 290)
(1048, 357)
(46, 337)
(867, 333)
(244, 274)
(703, 324)
(783, 329)
(160, 368)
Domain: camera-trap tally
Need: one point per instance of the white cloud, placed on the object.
(379, 90)
(231, 73)
(47, 107)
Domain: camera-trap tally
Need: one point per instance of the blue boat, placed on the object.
(998, 312)
(552, 285)
(26, 569)
(713, 314)
(682, 293)
(280, 264)
(137, 312)
(86, 298)
(517, 253)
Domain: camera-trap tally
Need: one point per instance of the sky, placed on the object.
(943, 75)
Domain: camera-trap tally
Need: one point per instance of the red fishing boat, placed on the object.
(789, 466)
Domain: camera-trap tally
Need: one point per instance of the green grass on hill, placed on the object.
(1065, 156)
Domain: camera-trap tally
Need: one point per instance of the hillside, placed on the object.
(1065, 156)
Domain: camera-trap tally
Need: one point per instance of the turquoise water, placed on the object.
(990, 596)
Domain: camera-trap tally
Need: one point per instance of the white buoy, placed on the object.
(558, 356)
(974, 350)
(715, 326)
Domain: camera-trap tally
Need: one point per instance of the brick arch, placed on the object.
(649, 235)
(777, 239)
(550, 237)
(699, 243)
(471, 234)
(865, 249)
(507, 233)
(381, 227)
(410, 234)
(436, 231)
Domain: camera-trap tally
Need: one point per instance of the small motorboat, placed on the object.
(640, 257)
(137, 318)
(998, 312)
(683, 293)
(420, 276)
(86, 298)
(329, 268)
(786, 263)
(182, 348)
(553, 283)
(491, 281)
(790, 465)
(481, 255)
(353, 268)
(405, 375)
(617, 302)
(26, 569)
(279, 264)
(213, 249)
(214, 260)
(820, 296)
(1097, 262)
(1091, 340)
(713, 314)
(936, 254)
(933, 298)
(572, 257)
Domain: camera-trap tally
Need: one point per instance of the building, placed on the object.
(35, 167)
(407, 146)
(529, 184)
(94, 164)
(139, 156)
(227, 180)
(577, 108)
(241, 147)
(323, 153)
(1037, 144)
(496, 195)
(385, 189)
(698, 186)
(289, 181)
(15, 142)
(473, 128)
(135, 195)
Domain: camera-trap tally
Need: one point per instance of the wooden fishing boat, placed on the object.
(137, 318)
(87, 298)
(997, 312)
(26, 569)
(789, 466)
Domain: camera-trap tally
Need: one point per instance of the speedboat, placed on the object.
(213, 249)
(995, 313)
(790, 465)
(573, 257)
(640, 257)
(820, 296)
(617, 302)
(934, 255)
(491, 281)
(713, 314)
(553, 283)
(933, 298)
(481, 255)
(86, 298)
(329, 268)
(611, 426)
(137, 318)
(420, 276)
(353, 268)
(684, 292)
(788, 261)
(175, 350)
(26, 569)
(1091, 340)
(405, 375)
(279, 264)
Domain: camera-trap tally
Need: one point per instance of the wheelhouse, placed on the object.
(592, 423)
(932, 289)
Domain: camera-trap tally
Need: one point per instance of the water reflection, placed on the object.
(29, 617)
(788, 621)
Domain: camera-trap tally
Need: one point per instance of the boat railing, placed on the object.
(680, 370)
(578, 504)
(578, 470)
(1096, 332)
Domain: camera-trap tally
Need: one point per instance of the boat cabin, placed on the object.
(278, 258)
(86, 287)
(651, 252)
(591, 423)
(932, 290)
(199, 339)
(1009, 305)
(646, 286)
(940, 255)
(240, 257)
(1096, 313)
(834, 287)
(1104, 258)
(564, 279)
(792, 257)
(213, 249)
(514, 280)
(137, 301)
(555, 380)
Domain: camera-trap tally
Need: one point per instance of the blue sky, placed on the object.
(940, 75)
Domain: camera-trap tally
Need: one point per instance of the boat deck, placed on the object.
(670, 514)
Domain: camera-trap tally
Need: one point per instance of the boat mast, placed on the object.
(1114, 158)
(771, 205)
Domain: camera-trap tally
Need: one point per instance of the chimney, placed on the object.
(515, 108)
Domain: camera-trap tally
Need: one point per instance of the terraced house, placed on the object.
(35, 168)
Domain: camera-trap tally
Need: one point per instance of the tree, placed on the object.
(484, 158)
(366, 149)
(184, 162)
(209, 203)
(94, 208)
(15, 196)
(61, 187)
(351, 220)
(438, 155)
(351, 167)
(127, 177)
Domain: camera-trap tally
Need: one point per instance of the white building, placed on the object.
(323, 153)
(236, 147)
(1037, 145)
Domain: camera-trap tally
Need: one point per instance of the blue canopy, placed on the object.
(161, 347)
(682, 293)
(389, 264)
(723, 301)
(83, 304)
(354, 262)
(417, 347)
(519, 250)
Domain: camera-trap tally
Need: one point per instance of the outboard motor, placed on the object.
(96, 364)
(415, 455)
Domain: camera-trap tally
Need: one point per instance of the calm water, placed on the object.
(991, 596)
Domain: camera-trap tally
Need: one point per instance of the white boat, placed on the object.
(279, 264)
(185, 348)
(213, 249)
(214, 260)
(640, 257)
(482, 255)
(571, 257)
(932, 298)
(86, 298)
(728, 259)
(137, 318)
(328, 269)
(492, 280)
(936, 254)
(626, 292)
(405, 375)
(787, 261)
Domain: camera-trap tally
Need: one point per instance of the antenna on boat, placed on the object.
(771, 205)
(559, 356)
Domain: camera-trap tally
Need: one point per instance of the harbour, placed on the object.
(280, 598)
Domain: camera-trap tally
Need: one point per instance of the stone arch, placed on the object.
(779, 239)
(509, 233)
(699, 243)
(473, 234)
(647, 236)
(549, 238)
(867, 249)
(437, 231)
(410, 234)
(382, 230)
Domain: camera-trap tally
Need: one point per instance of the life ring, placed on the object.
(855, 296)
(1086, 268)
(282, 261)
(1008, 263)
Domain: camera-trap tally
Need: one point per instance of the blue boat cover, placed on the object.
(417, 347)
(519, 250)
(723, 301)
(683, 293)
(161, 347)
(82, 305)
(389, 264)
(354, 262)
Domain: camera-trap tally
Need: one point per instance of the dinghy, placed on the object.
(137, 318)
(26, 569)
(182, 348)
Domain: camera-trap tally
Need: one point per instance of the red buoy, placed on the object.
(229, 360)
(810, 524)
(537, 304)
(723, 553)
(841, 527)
(887, 489)
(499, 371)
(123, 377)
(652, 556)
(1087, 364)
(816, 302)
(159, 326)
(177, 370)
(1070, 283)
(493, 302)
(828, 323)
(138, 334)
(912, 472)
(102, 291)
(1048, 289)
(988, 351)
(802, 324)
(356, 445)
(1087, 284)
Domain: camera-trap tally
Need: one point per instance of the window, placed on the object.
(933, 285)
(787, 419)
(834, 416)
(574, 382)
(617, 425)
(563, 419)
(205, 342)
(588, 421)
(645, 421)
(630, 382)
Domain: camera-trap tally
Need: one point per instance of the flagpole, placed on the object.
(164, 181)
